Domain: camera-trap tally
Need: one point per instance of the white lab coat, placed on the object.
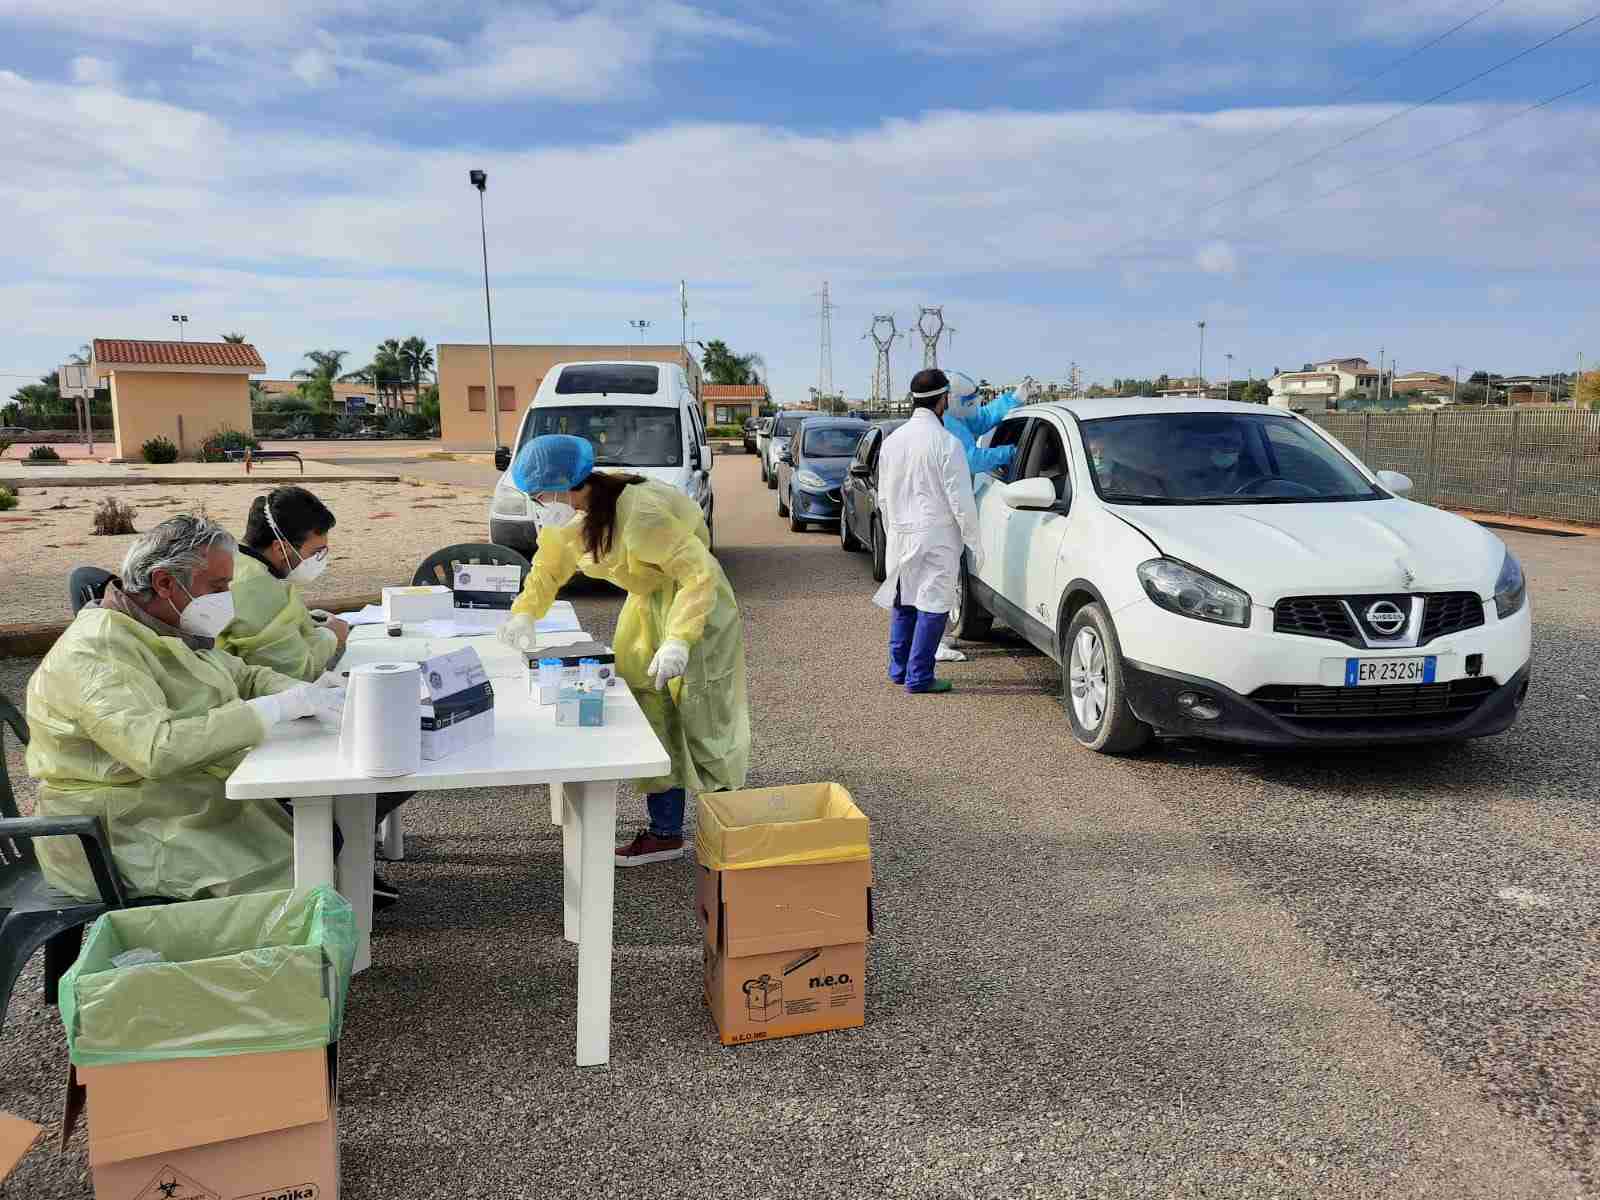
(925, 499)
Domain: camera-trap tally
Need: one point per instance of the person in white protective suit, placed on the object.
(925, 496)
(136, 718)
(969, 419)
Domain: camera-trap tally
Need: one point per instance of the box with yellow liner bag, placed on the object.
(785, 898)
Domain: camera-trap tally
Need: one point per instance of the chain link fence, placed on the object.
(1518, 462)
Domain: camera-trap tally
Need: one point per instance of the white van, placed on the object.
(642, 418)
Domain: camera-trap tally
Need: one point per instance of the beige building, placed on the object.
(732, 403)
(464, 417)
(1325, 382)
(183, 391)
(343, 393)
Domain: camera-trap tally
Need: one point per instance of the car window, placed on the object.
(864, 449)
(696, 424)
(830, 442)
(1045, 457)
(1009, 433)
(786, 426)
(623, 435)
(609, 378)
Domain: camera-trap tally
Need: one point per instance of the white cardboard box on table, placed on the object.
(422, 603)
(457, 705)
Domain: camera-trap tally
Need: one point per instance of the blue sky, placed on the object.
(1073, 181)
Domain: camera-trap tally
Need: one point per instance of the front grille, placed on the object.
(1451, 612)
(1315, 616)
(1405, 702)
(836, 496)
(1329, 616)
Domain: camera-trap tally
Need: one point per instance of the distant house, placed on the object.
(348, 398)
(1428, 383)
(182, 391)
(1325, 382)
(1190, 388)
(732, 403)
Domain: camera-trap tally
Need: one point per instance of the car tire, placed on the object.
(848, 541)
(1092, 687)
(796, 525)
(880, 552)
(783, 509)
(763, 469)
(771, 477)
(970, 621)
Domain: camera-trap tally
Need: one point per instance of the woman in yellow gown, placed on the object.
(679, 641)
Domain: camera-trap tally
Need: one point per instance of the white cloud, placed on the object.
(313, 67)
(94, 72)
(1217, 258)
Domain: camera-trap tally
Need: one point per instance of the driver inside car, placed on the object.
(1215, 459)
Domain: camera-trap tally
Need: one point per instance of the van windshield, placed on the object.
(623, 435)
(609, 379)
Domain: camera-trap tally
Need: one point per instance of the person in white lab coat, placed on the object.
(925, 497)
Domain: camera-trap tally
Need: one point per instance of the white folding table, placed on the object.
(300, 762)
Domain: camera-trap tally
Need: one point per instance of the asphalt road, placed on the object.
(1197, 973)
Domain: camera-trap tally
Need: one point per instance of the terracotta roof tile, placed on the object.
(124, 351)
(733, 391)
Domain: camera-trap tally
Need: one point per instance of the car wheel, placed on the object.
(796, 525)
(763, 470)
(969, 620)
(771, 477)
(1092, 687)
(880, 552)
(783, 509)
(847, 540)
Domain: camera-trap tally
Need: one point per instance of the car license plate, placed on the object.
(1375, 672)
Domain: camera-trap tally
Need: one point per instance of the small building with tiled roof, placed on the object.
(183, 391)
(732, 403)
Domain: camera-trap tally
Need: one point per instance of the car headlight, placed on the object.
(508, 502)
(1511, 589)
(1178, 587)
(811, 481)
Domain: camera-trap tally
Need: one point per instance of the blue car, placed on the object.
(811, 469)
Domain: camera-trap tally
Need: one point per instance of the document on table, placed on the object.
(372, 614)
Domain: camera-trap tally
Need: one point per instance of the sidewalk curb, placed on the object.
(1527, 524)
(114, 481)
(34, 641)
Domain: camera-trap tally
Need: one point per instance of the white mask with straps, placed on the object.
(554, 514)
(206, 616)
(307, 569)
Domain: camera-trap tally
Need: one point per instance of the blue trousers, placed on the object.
(914, 637)
(666, 812)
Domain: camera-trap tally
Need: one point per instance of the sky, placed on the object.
(1074, 181)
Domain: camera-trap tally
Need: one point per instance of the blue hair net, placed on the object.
(553, 462)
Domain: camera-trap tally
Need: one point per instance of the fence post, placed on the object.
(1366, 439)
(1516, 453)
(1432, 461)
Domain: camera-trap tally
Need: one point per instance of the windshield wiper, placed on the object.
(1123, 498)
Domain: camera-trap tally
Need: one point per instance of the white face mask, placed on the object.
(206, 616)
(308, 569)
(553, 514)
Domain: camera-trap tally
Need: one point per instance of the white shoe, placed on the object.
(947, 653)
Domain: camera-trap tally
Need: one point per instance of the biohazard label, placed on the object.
(303, 1191)
(172, 1184)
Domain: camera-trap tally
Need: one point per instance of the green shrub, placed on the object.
(5, 444)
(159, 450)
(726, 431)
(216, 446)
(43, 454)
(112, 516)
(8, 499)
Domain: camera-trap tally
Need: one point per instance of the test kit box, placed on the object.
(402, 605)
(239, 1127)
(458, 705)
(785, 900)
(487, 585)
(580, 707)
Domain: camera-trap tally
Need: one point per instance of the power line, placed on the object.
(1363, 132)
(1361, 83)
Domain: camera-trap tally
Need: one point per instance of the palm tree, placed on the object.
(236, 338)
(418, 362)
(320, 375)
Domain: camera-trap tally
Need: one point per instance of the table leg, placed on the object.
(596, 813)
(557, 793)
(313, 841)
(356, 815)
(571, 869)
(394, 837)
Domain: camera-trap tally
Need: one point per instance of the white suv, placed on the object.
(1228, 571)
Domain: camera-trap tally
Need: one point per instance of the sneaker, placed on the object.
(948, 653)
(647, 848)
(384, 894)
(937, 688)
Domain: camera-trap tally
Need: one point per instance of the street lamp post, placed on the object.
(641, 326)
(1227, 388)
(1202, 326)
(480, 180)
(181, 319)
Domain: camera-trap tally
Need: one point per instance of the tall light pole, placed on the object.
(641, 326)
(480, 180)
(1202, 326)
(182, 319)
(1227, 388)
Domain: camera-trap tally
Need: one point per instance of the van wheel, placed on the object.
(969, 621)
(880, 552)
(1092, 688)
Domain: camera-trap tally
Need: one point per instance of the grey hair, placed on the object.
(178, 545)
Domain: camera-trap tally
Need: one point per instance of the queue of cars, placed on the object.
(1213, 570)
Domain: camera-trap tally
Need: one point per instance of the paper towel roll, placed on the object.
(381, 736)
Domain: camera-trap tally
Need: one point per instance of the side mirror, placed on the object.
(860, 471)
(1395, 482)
(787, 457)
(502, 458)
(1029, 494)
(694, 457)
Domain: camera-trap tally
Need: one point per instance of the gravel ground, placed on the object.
(384, 531)
(1199, 973)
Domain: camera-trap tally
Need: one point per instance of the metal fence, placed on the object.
(1519, 462)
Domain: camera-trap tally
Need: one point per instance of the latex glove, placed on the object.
(326, 703)
(520, 632)
(307, 700)
(670, 662)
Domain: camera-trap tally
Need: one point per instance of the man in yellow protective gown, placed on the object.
(679, 642)
(135, 717)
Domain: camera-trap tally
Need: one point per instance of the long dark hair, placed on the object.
(600, 519)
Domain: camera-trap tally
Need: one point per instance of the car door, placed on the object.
(993, 515)
(855, 511)
(1034, 537)
(699, 480)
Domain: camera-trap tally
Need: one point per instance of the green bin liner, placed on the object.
(251, 974)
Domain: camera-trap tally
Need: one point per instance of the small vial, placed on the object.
(549, 680)
(589, 671)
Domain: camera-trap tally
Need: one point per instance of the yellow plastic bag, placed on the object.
(780, 827)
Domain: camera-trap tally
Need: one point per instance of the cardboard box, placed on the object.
(581, 707)
(458, 709)
(241, 1127)
(785, 948)
(421, 603)
(16, 1139)
(487, 585)
(765, 827)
